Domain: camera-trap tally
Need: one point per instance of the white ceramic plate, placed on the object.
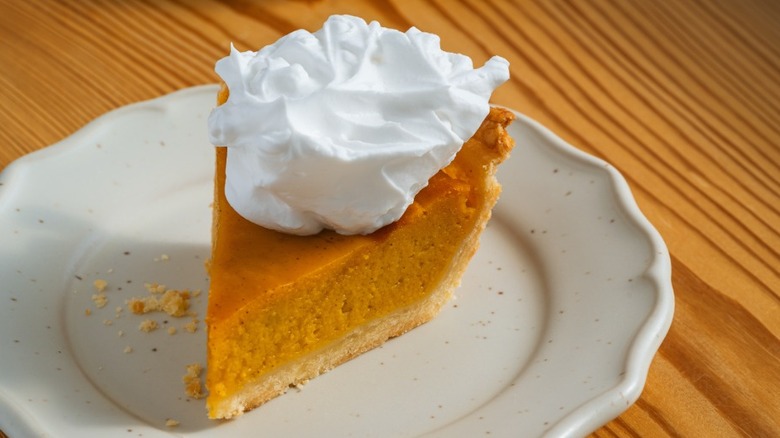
(552, 330)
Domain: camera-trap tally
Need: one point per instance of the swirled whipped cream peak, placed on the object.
(341, 128)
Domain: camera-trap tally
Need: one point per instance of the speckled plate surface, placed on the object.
(552, 330)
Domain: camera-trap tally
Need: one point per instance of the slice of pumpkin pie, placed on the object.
(296, 295)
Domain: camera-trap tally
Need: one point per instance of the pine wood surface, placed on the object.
(682, 96)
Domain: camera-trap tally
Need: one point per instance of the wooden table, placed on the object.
(682, 96)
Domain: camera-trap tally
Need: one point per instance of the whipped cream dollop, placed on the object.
(342, 127)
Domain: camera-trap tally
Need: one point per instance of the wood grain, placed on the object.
(682, 96)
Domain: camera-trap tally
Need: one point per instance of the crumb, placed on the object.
(171, 330)
(196, 293)
(191, 326)
(118, 311)
(100, 300)
(100, 285)
(147, 325)
(137, 305)
(192, 384)
(172, 302)
(175, 303)
(164, 257)
(128, 349)
(120, 333)
(170, 422)
(107, 322)
(87, 311)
